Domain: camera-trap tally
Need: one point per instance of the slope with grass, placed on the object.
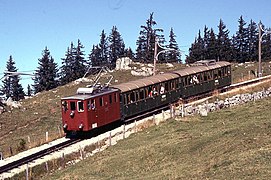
(233, 143)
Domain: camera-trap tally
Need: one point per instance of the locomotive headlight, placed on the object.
(81, 126)
(65, 126)
(72, 114)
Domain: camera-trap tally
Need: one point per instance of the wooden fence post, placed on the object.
(46, 136)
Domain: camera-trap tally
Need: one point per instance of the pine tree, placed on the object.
(103, 50)
(46, 74)
(211, 45)
(116, 47)
(66, 68)
(18, 91)
(146, 41)
(94, 56)
(173, 56)
(206, 37)
(79, 63)
(196, 52)
(29, 90)
(7, 82)
(266, 45)
(129, 53)
(242, 41)
(11, 86)
(223, 42)
(252, 41)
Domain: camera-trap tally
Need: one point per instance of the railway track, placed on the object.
(17, 163)
(30, 158)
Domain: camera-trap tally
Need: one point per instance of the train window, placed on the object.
(125, 99)
(137, 96)
(219, 73)
(215, 74)
(205, 76)
(110, 99)
(72, 105)
(162, 88)
(166, 86)
(65, 105)
(132, 97)
(101, 101)
(121, 98)
(91, 104)
(80, 106)
(141, 94)
(209, 75)
(201, 77)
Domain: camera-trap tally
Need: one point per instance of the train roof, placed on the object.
(201, 66)
(87, 95)
(128, 86)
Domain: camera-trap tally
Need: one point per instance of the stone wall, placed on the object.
(236, 100)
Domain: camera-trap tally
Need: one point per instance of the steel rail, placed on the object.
(34, 156)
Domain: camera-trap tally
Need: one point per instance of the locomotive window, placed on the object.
(101, 101)
(91, 104)
(80, 106)
(73, 106)
(110, 99)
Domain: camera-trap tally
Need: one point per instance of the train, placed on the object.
(98, 106)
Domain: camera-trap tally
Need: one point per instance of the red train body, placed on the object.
(88, 110)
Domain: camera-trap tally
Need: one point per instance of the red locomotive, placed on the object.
(96, 106)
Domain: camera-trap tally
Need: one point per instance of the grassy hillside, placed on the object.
(233, 143)
(26, 127)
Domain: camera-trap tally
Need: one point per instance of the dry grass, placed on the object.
(233, 143)
(42, 113)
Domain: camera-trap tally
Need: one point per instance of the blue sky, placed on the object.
(27, 26)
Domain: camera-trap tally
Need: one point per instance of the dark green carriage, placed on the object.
(140, 96)
(204, 78)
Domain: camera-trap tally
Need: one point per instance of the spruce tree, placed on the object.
(211, 45)
(46, 73)
(66, 68)
(129, 53)
(146, 40)
(173, 56)
(223, 42)
(94, 56)
(242, 41)
(266, 45)
(196, 51)
(79, 63)
(18, 91)
(252, 41)
(11, 86)
(29, 90)
(116, 47)
(103, 50)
